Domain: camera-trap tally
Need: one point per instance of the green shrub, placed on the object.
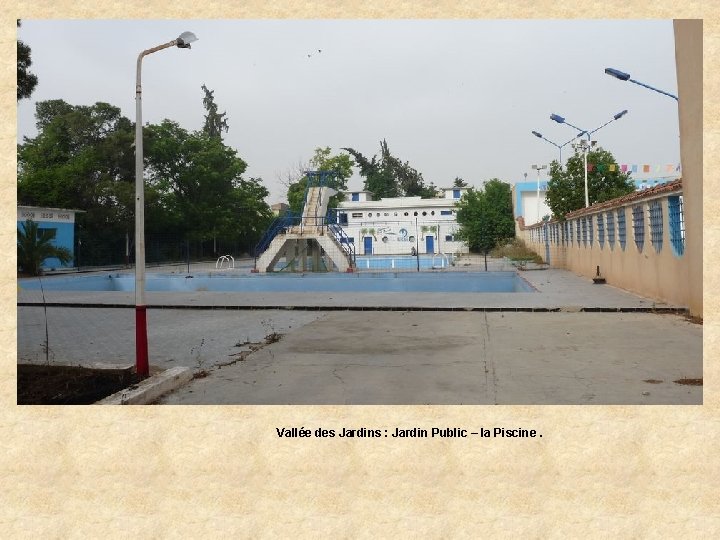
(515, 249)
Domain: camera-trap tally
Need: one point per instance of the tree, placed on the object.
(201, 185)
(459, 182)
(215, 123)
(566, 187)
(82, 158)
(26, 81)
(485, 216)
(34, 245)
(390, 177)
(323, 160)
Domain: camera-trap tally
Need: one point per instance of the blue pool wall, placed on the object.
(494, 282)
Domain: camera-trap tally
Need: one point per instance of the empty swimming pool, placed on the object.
(326, 282)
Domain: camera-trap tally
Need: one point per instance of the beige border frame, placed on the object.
(77, 472)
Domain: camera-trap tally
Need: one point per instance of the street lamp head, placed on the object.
(620, 114)
(557, 118)
(617, 74)
(185, 39)
(537, 134)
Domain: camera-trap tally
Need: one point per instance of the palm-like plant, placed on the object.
(34, 246)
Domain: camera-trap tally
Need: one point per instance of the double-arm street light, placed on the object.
(141, 343)
(558, 146)
(621, 75)
(586, 145)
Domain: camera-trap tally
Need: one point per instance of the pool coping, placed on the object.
(238, 307)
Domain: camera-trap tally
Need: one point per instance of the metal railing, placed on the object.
(344, 241)
(280, 224)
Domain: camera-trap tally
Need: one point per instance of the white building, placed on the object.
(397, 225)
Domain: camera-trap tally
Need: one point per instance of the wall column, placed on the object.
(689, 68)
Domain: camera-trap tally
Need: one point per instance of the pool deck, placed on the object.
(572, 342)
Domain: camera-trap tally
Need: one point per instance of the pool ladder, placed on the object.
(222, 259)
(444, 261)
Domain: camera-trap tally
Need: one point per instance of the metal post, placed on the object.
(141, 342)
(417, 244)
(585, 153)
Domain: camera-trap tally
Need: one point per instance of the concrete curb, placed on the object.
(151, 388)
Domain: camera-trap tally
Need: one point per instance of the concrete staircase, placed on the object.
(309, 245)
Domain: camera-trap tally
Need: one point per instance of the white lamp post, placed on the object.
(538, 168)
(585, 146)
(141, 343)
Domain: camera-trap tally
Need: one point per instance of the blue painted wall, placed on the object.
(64, 237)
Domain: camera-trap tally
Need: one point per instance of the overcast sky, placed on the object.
(453, 98)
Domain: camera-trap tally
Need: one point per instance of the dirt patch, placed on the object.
(690, 382)
(652, 381)
(69, 385)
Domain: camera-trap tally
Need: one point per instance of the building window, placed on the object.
(656, 225)
(610, 216)
(432, 213)
(43, 230)
(357, 214)
(355, 197)
(342, 218)
(411, 239)
(369, 214)
(590, 230)
(424, 213)
(385, 214)
(584, 231)
(622, 234)
(456, 193)
(677, 224)
(638, 222)
(446, 212)
(601, 230)
(449, 238)
(415, 213)
(395, 214)
(405, 214)
(385, 239)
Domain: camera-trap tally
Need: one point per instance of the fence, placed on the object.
(102, 251)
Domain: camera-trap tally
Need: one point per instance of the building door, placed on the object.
(429, 244)
(367, 245)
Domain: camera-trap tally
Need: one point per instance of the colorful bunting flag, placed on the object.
(633, 168)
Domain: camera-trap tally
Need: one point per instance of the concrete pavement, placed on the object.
(387, 348)
(466, 358)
